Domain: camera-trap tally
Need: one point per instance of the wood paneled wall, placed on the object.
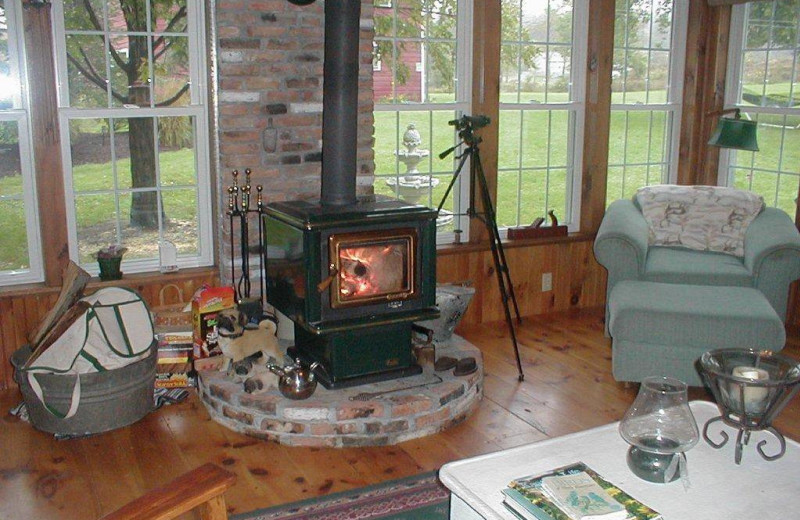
(22, 309)
(578, 280)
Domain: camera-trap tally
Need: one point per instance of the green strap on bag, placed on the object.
(115, 331)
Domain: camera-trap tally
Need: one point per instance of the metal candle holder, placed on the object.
(751, 388)
(242, 210)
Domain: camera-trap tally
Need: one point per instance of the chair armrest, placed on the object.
(202, 487)
(772, 255)
(621, 242)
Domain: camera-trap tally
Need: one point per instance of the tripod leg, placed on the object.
(492, 221)
(501, 269)
(453, 180)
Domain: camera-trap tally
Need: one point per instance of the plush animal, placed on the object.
(247, 349)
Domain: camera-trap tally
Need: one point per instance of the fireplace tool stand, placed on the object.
(242, 210)
(466, 126)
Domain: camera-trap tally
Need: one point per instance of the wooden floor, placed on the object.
(568, 387)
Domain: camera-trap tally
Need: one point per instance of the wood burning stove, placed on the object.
(352, 273)
(353, 279)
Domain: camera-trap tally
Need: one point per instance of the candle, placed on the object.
(755, 397)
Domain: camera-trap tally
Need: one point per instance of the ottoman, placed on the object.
(662, 329)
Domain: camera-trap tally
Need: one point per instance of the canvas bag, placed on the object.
(115, 331)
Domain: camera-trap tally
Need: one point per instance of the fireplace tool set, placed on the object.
(466, 126)
(240, 207)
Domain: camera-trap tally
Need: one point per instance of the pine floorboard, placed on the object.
(567, 387)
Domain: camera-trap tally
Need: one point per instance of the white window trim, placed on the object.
(198, 109)
(576, 110)
(464, 42)
(680, 20)
(733, 88)
(16, 51)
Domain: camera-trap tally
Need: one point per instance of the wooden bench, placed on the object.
(201, 488)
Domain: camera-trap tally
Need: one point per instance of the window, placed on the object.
(134, 128)
(764, 82)
(649, 44)
(422, 47)
(541, 109)
(20, 253)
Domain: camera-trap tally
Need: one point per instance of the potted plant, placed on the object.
(109, 259)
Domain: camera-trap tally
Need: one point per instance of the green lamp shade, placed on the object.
(735, 133)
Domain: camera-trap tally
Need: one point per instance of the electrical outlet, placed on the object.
(547, 282)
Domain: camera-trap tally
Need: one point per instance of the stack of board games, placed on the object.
(174, 368)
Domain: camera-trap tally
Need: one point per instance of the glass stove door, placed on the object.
(370, 267)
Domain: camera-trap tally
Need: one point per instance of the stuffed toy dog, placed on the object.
(247, 349)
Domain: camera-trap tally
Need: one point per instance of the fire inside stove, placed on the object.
(370, 267)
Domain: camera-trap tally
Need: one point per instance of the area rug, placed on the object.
(421, 497)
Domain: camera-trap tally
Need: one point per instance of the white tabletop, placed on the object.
(719, 489)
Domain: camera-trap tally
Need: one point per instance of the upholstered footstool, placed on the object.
(663, 329)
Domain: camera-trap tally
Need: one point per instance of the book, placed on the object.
(581, 497)
(527, 498)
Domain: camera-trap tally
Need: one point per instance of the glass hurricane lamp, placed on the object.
(660, 428)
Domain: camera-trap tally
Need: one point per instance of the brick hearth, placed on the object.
(330, 418)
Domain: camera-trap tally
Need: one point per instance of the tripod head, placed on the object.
(466, 126)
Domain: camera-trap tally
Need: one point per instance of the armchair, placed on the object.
(771, 260)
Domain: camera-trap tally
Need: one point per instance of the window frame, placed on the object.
(673, 107)
(197, 109)
(20, 113)
(462, 105)
(577, 116)
(733, 85)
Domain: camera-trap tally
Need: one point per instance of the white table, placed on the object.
(719, 488)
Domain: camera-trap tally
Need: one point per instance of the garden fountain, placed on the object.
(412, 186)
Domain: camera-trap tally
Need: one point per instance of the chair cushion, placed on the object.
(685, 266)
(692, 315)
(704, 218)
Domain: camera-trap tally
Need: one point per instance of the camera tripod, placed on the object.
(466, 126)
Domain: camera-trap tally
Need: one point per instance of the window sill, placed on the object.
(129, 280)
(469, 247)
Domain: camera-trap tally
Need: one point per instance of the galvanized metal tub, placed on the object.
(109, 400)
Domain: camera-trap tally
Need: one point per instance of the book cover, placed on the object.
(530, 490)
(581, 497)
(522, 507)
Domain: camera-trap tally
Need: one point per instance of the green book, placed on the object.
(527, 498)
(523, 507)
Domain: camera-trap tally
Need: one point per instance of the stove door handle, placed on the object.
(324, 284)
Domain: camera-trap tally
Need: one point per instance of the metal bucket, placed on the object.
(109, 400)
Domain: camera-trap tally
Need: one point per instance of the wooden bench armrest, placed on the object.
(203, 487)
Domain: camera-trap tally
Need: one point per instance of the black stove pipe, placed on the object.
(340, 103)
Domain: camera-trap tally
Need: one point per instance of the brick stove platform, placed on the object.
(329, 418)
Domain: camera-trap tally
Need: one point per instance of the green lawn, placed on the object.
(533, 156)
(96, 210)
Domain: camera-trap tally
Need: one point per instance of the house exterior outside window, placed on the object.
(541, 110)
(133, 119)
(20, 248)
(764, 82)
(423, 49)
(647, 83)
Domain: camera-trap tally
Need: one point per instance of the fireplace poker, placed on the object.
(366, 396)
(244, 239)
(262, 264)
(233, 202)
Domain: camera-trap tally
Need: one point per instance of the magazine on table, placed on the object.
(573, 492)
